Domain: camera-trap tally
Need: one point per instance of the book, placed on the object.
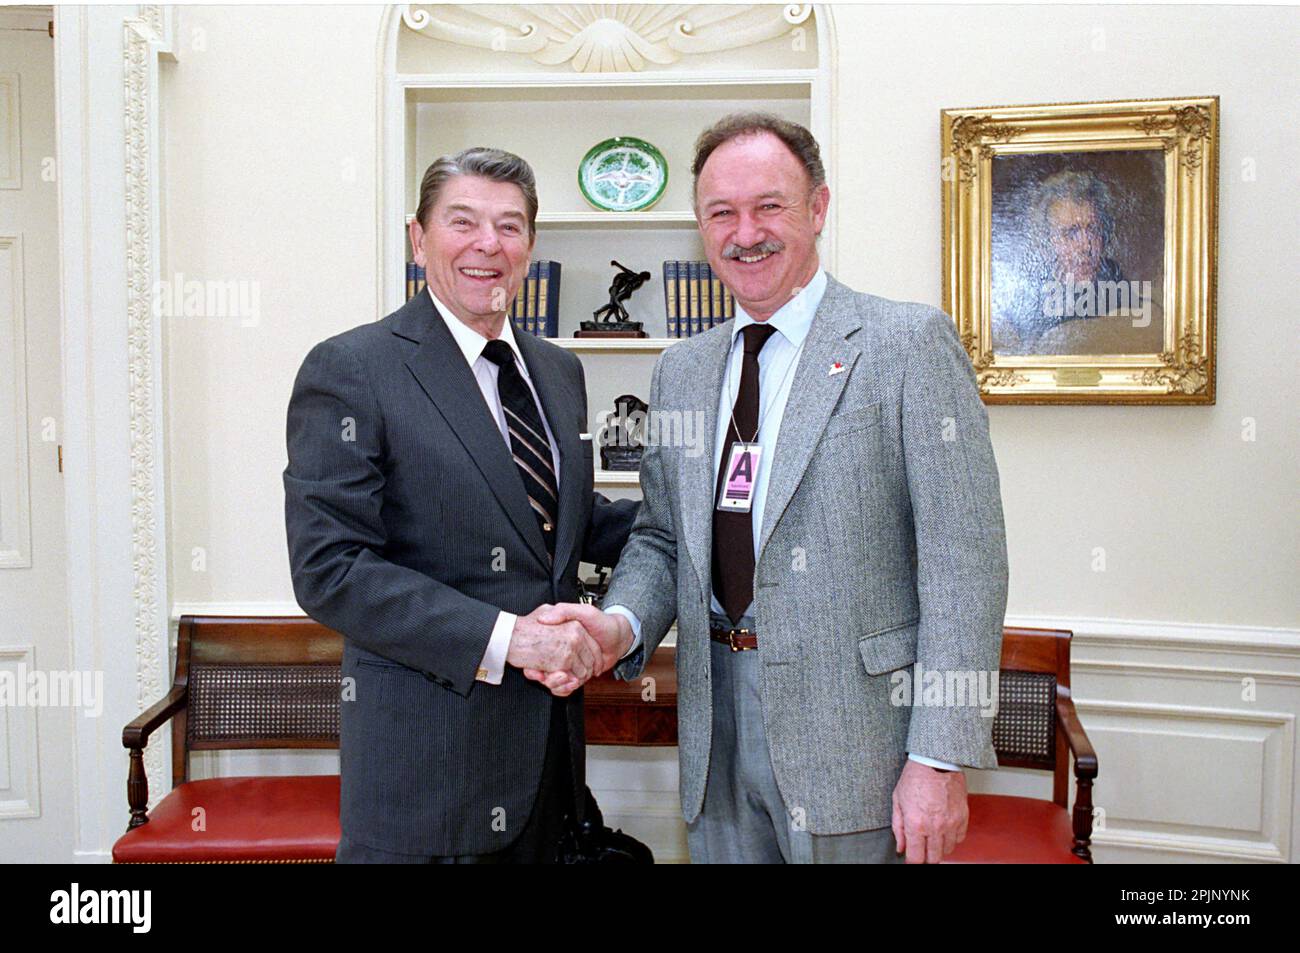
(706, 302)
(517, 307)
(548, 299)
(715, 299)
(670, 298)
(530, 299)
(693, 296)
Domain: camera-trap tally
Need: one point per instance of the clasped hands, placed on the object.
(563, 646)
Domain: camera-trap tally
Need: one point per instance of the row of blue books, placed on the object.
(695, 297)
(536, 308)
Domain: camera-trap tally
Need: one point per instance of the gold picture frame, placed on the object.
(1080, 249)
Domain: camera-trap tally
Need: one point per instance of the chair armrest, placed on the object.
(1085, 758)
(136, 734)
(134, 737)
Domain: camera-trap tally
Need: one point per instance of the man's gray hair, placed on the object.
(796, 138)
(495, 164)
(1075, 187)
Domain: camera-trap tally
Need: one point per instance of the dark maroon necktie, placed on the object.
(733, 531)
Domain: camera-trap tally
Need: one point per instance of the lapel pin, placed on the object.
(836, 368)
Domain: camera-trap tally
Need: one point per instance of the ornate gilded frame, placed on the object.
(1187, 130)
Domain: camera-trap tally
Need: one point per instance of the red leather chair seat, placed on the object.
(249, 820)
(1015, 830)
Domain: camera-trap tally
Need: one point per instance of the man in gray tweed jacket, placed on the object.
(835, 559)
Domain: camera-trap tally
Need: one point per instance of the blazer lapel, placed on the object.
(698, 473)
(813, 396)
(562, 408)
(441, 370)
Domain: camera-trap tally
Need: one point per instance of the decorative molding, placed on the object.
(1276, 795)
(15, 496)
(1189, 126)
(11, 132)
(970, 135)
(141, 44)
(1092, 631)
(1186, 371)
(605, 38)
(18, 739)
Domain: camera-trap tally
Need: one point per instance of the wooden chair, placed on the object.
(1036, 727)
(267, 682)
(240, 683)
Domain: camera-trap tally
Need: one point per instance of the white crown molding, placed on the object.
(605, 38)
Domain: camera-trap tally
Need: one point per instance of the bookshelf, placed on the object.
(463, 79)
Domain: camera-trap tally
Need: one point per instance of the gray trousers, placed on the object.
(537, 842)
(745, 820)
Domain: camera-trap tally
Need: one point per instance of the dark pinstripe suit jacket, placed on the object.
(408, 531)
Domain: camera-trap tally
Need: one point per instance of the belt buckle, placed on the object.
(731, 639)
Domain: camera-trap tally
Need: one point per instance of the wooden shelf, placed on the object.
(620, 345)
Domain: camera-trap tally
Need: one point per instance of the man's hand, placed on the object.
(562, 647)
(612, 633)
(930, 812)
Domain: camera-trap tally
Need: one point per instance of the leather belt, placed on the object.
(740, 640)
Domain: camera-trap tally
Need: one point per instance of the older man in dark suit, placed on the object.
(438, 492)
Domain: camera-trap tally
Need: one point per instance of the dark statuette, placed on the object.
(611, 320)
(622, 439)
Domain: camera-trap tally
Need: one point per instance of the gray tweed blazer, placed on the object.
(882, 547)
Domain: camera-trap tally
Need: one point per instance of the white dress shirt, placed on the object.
(471, 344)
(776, 369)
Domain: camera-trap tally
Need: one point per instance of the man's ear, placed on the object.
(821, 204)
(416, 234)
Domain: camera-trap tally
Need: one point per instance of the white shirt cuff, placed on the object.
(934, 762)
(493, 665)
(633, 621)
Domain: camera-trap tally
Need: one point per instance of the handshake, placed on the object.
(562, 646)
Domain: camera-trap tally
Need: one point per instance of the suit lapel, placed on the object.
(813, 396)
(561, 407)
(698, 472)
(441, 370)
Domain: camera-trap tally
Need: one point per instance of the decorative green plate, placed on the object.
(623, 174)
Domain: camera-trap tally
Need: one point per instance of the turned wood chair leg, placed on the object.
(1083, 819)
(137, 790)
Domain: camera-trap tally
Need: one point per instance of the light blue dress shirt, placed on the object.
(776, 369)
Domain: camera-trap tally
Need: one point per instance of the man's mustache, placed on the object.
(762, 248)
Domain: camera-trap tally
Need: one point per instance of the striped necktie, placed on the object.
(528, 444)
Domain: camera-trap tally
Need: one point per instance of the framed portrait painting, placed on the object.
(1079, 249)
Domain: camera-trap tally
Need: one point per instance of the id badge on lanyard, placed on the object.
(742, 470)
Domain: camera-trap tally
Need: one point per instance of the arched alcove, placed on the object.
(548, 81)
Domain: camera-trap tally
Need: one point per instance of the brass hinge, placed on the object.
(51, 29)
(60, 458)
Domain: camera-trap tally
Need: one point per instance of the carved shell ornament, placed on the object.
(605, 38)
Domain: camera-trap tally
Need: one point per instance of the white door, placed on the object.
(37, 703)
